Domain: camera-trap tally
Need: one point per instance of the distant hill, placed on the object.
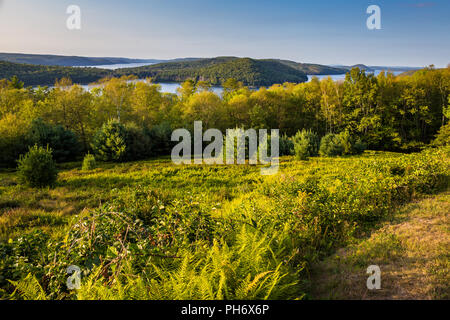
(388, 68)
(33, 75)
(360, 66)
(314, 69)
(67, 61)
(251, 72)
(217, 70)
(373, 68)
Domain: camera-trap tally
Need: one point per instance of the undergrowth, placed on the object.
(255, 241)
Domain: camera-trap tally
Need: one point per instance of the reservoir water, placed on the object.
(172, 87)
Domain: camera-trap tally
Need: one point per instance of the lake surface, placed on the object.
(173, 86)
(169, 87)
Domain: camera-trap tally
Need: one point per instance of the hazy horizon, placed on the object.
(153, 58)
(413, 33)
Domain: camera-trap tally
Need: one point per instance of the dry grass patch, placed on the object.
(14, 221)
(412, 250)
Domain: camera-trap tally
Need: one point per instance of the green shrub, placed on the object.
(14, 139)
(443, 137)
(346, 142)
(110, 142)
(63, 142)
(117, 142)
(286, 146)
(306, 144)
(331, 146)
(351, 144)
(341, 144)
(412, 146)
(89, 162)
(161, 135)
(359, 146)
(37, 168)
(139, 143)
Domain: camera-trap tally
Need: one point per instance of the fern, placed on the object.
(28, 288)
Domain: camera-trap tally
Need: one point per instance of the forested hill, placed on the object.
(67, 61)
(313, 69)
(217, 70)
(33, 75)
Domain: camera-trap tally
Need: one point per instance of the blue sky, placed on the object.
(414, 33)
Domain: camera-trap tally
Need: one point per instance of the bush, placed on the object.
(341, 144)
(117, 142)
(306, 144)
(161, 136)
(37, 168)
(139, 143)
(63, 142)
(17, 135)
(331, 146)
(351, 144)
(346, 142)
(359, 146)
(14, 139)
(443, 137)
(89, 162)
(110, 142)
(286, 146)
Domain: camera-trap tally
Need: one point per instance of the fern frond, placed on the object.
(29, 288)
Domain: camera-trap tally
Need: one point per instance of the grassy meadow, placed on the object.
(154, 230)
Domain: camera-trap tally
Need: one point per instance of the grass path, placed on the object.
(412, 251)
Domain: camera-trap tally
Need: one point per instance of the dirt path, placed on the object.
(412, 251)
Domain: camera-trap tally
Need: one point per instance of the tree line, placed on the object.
(385, 112)
(216, 71)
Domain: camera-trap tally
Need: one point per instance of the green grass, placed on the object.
(78, 190)
(154, 230)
